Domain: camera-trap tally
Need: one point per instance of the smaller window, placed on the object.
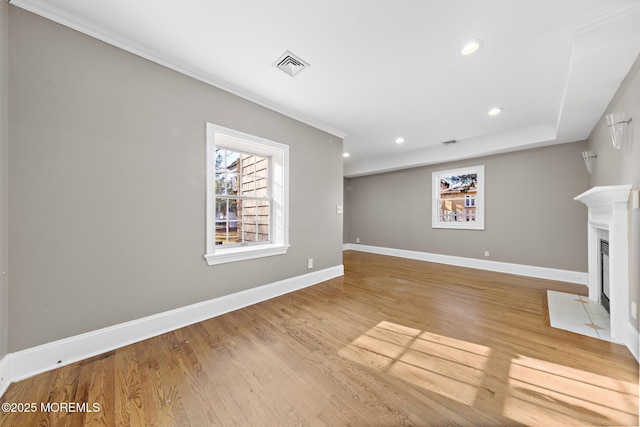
(247, 196)
(458, 198)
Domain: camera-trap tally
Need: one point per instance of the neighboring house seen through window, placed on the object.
(243, 198)
(247, 196)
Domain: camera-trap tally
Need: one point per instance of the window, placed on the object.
(458, 198)
(469, 201)
(247, 196)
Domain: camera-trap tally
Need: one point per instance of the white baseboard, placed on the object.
(32, 361)
(632, 341)
(5, 378)
(500, 267)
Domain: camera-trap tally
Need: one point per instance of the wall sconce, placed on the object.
(618, 122)
(588, 157)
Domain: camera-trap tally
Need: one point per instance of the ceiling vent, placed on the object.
(452, 141)
(291, 64)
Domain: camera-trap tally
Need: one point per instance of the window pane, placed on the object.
(226, 233)
(232, 183)
(220, 183)
(231, 160)
(226, 222)
(248, 164)
(262, 167)
(226, 183)
(221, 232)
(263, 231)
(221, 209)
(234, 235)
(263, 210)
(226, 160)
(458, 184)
(249, 231)
(220, 156)
(248, 210)
(454, 210)
(254, 173)
(248, 186)
(261, 187)
(253, 224)
(255, 231)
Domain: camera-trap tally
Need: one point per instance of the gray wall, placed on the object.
(107, 186)
(531, 217)
(618, 167)
(4, 307)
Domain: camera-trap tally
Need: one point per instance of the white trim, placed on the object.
(243, 253)
(45, 357)
(500, 267)
(632, 341)
(79, 24)
(5, 377)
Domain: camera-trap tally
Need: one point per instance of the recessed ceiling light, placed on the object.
(345, 155)
(399, 140)
(470, 47)
(495, 111)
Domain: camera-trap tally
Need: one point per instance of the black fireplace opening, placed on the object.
(604, 274)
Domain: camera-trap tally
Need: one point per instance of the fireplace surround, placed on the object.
(609, 212)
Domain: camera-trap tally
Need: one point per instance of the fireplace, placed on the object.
(603, 277)
(609, 273)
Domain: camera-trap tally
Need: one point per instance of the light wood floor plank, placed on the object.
(393, 342)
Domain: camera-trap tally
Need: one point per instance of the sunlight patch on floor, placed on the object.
(567, 393)
(524, 389)
(447, 366)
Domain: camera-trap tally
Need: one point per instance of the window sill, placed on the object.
(223, 256)
(459, 225)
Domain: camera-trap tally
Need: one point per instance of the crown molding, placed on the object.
(612, 16)
(61, 17)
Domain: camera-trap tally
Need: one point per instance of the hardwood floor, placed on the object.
(393, 342)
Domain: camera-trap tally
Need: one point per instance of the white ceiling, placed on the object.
(383, 69)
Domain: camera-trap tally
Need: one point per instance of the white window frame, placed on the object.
(279, 183)
(478, 224)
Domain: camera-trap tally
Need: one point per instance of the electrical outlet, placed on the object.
(634, 310)
(357, 240)
(486, 253)
(310, 263)
(339, 209)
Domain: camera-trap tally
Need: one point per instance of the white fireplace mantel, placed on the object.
(608, 210)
